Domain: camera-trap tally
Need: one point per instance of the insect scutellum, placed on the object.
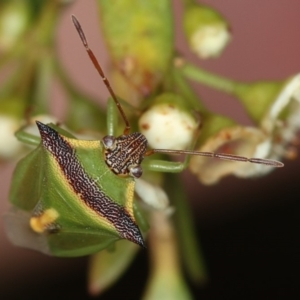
(125, 154)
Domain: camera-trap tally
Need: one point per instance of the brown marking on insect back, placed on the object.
(85, 186)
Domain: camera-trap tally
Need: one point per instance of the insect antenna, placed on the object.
(224, 156)
(101, 73)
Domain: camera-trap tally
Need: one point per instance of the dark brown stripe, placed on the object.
(85, 186)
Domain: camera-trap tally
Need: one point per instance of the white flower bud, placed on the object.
(289, 94)
(209, 41)
(9, 145)
(166, 126)
(245, 141)
(206, 30)
(282, 120)
(151, 194)
(14, 19)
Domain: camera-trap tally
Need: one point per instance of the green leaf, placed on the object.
(107, 266)
(140, 38)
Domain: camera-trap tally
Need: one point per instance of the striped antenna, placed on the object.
(224, 156)
(101, 73)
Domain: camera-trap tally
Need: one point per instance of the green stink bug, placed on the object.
(74, 197)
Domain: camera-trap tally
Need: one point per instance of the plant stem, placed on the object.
(187, 91)
(209, 79)
(191, 252)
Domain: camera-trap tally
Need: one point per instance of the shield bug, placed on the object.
(74, 197)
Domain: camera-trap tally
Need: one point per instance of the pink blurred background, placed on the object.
(265, 45)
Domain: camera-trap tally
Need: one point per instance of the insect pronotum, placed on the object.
(74, 197)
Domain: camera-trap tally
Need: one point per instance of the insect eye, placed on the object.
(109, 142)
(136, 171)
